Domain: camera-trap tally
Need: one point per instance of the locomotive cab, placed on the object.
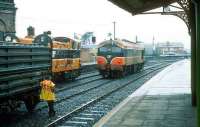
(105, 56)
(110, 51)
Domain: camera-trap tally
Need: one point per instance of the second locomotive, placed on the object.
(117, 58)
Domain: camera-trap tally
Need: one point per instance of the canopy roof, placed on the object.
(139, 6)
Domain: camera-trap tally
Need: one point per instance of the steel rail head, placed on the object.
(70, 114)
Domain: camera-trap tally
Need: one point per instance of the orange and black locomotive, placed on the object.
(119, 57)
(65, 58)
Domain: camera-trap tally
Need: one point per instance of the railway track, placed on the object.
(78, 83)
(89, 74)
(75, 90)
(88, 113)
(91, 85)
(75, 94)
(90, 77)
(94, 76)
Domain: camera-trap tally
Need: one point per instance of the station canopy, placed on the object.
(139, 6)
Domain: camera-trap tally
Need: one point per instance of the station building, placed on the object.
(7, 17)
(170, 48)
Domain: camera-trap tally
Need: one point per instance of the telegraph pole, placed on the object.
(153, 43)
(114, 30)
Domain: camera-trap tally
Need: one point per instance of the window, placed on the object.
(116, 50)
(103, 49)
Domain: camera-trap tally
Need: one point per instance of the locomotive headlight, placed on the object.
(108, 56)
(53, 54)
(8, 38)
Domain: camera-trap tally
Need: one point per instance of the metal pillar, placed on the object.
(197, 12)
(193, 51)
(198, 61)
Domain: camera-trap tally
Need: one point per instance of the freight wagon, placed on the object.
(22, 66)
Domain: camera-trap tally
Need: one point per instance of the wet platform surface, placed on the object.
(163, 101)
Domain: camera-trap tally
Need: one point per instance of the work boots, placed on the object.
(52, 113)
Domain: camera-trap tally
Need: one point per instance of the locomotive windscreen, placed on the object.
(111, 50)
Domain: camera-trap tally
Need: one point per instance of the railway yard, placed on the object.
(84, 101)
(71, 70)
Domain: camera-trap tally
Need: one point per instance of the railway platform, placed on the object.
(163, 101)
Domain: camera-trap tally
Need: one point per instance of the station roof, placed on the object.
(139, 6)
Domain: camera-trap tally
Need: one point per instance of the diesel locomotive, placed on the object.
(65, 58)
(117, 58)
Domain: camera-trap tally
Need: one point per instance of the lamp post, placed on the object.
(114, 30)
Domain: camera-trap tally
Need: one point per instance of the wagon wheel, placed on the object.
(73, 78)
(135, 68)
(111, 74)
(104, 75)
(123, 73)
(31, 103)
(142, 66)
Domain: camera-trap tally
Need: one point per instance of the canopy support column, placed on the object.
(197, 16)
(193, 51)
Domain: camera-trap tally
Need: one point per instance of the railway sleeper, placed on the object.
(30, 102)
(89, 114)
(71, 123)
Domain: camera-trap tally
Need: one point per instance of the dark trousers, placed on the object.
(51, 107)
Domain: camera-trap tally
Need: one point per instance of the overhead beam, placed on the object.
(139, 6)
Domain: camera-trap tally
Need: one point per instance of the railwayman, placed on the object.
(47, 94)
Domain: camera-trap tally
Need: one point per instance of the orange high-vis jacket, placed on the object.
(47, 93)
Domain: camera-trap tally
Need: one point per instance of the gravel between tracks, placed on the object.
(40, 118)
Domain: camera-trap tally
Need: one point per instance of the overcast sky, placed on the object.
(66, 17)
